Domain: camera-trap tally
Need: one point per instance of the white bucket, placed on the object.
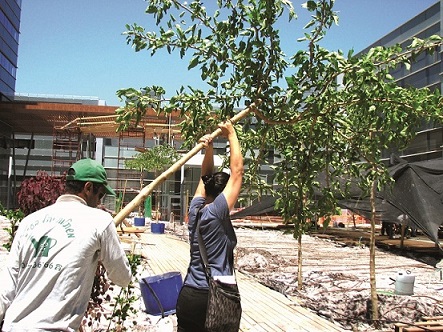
(404, 283)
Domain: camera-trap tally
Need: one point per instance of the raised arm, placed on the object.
(207, 164)
(233, 187)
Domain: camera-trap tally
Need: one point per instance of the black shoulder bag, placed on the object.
(224, 306)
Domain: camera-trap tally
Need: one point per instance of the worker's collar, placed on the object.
(71, 198)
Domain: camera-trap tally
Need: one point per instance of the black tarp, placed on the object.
(264, 206)
(417, 193)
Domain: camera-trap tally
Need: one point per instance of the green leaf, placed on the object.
(193, 62)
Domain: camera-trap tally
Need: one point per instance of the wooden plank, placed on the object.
(431, 324)
(419, 329)
(131, 229)
(430, 318)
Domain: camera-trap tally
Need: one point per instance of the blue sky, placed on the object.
(77, 47)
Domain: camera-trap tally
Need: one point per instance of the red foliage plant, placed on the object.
(40, 191)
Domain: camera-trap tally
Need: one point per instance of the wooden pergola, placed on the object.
(106, 126)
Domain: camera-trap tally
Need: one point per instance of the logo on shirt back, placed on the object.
(43, 245)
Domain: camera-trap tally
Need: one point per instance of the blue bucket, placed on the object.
(160, 293)
(157, 227)
(139, 221)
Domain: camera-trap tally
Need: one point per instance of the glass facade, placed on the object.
(425, 72)
(9, 35)
(10, 11)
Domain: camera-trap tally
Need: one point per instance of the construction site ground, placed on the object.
(335, 268)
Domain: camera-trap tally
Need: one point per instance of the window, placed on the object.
(9, 26)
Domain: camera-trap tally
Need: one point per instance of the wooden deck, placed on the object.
(263, 309)
(420, 244)
(428, 324)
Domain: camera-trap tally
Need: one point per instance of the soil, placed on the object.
(335, 281)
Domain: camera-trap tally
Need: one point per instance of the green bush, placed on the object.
(14, 217)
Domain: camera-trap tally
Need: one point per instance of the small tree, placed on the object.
(155, 160)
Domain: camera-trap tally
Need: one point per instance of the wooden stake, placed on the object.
(146, 191)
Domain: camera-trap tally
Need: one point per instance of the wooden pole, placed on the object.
(146, 191)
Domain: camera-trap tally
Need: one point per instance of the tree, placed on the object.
(324, 112)
(155, 159)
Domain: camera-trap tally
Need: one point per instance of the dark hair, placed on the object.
(74, 187)
(215, 183)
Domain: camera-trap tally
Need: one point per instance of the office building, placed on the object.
(425, 72)
(9, 36)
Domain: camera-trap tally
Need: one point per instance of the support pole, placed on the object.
(171, 170)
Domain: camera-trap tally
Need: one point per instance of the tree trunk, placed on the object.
(300, 265)
(374, 299)
(140, 208)
(146, 191)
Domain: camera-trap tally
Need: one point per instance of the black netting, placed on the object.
(415, 199)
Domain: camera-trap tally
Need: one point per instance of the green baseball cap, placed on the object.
(89, 170)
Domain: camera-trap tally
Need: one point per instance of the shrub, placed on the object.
(40, 191)
(14, 217)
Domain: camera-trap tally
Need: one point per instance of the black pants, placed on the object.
(191, 309)
(388, 228)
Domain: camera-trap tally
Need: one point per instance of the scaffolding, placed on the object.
(66, 145)
(126, 182)
(69, 144)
